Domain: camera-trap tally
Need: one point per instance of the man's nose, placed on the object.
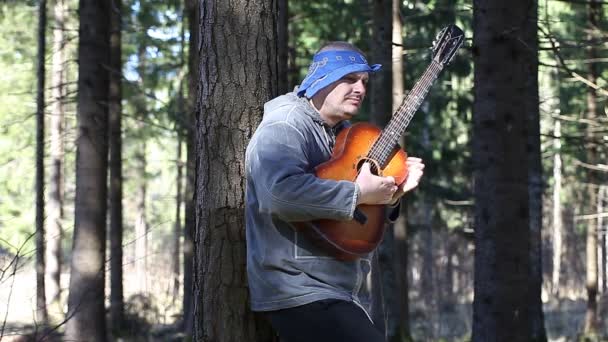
(359, 87)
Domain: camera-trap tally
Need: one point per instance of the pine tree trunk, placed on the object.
(189, 220)
(115, 135)
(506, 64)
(41, 310)
(283, 46)
(535, 192)
(86, 311)
(141, 222)
(557, 211)
(55, 202)
(591, 317)
(400, 244)
(177, 228)
(382, 277)
(239, 55)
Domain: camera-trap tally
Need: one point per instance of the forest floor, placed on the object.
(154, 322)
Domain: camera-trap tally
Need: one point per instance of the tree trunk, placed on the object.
(41, 310)
(238, 50)
(115, 134)
(400, 236)
(591, 318)
(55, 202)
(189, 221)
(535, 192)
(384, 310)
(141, 223)
(283, 46)
(557, 210)
(506, 64)
(177, 228)
(86, 312)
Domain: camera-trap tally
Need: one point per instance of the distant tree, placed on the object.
(116, 180)
(55, 201)
(594, 12)
(506, 62)
(400, 236)
(238, 74)
(41, 310)
(86, 312)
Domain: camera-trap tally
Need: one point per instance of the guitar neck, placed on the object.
(390, 136)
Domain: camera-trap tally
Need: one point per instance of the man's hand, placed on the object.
(374, 189)
(415, 169)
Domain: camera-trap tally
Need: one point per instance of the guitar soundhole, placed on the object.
(374, 167)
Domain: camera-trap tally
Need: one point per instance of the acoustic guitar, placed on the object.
(364, 142)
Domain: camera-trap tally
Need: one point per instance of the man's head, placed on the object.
(336, 81)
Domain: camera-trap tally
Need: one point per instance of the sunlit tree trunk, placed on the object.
(237, 49)
(55, 201)
(591, 319)
(115, 135)
(557, 210)
(177, 227)
(86, 312)
(41, 310)
(506, 65)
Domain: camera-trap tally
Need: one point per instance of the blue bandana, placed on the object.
(330, 66)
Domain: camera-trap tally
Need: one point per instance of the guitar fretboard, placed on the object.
(389, 138)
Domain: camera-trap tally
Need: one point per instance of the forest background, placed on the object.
(429, 254)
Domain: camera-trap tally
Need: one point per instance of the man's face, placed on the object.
(342, 99)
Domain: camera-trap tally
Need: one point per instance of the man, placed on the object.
(307, 294)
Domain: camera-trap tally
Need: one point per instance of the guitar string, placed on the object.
(382, 148)
(402, 124)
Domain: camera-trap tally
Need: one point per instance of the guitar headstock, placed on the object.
(448, 40)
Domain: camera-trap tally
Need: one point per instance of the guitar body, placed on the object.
(351, 238)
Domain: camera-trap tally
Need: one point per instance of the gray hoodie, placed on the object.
(285, 269)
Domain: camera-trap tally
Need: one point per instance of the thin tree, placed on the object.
(505, 54)
(189, 220)
(55, 201)
(115, 141)
(594, 11)
(400, 244)
(86, 311)
(383, 291)
(238, 74)
(41, 310)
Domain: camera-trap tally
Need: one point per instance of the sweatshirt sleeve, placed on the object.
(285, 183)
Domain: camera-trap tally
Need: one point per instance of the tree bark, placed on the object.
(238, 73)
(506, 63)
(55, 202)
(535, 189)
(86, 312)
(117, 315)
(41, 310)
(283, 46)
